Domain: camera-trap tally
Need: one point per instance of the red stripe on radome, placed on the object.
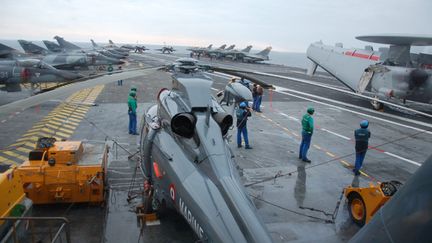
(361, 55)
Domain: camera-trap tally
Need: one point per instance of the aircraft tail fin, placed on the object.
(6, 51)
(247, 49)
(222, 47)
(52, 46)
(230, 47)
(31, 48)
(265, 52)
(66, 44)
(94, 43)
(210, 46)
(111, 42)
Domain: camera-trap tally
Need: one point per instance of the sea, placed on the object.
(291, 59)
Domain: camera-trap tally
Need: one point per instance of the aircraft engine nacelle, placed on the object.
(224, 120)
(183, 124)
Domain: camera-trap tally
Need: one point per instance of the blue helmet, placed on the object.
(243, 105)
(364, 124)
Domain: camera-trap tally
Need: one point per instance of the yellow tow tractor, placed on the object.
(64, 172)
(364, 202)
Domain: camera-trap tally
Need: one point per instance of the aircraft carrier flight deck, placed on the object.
(297, 201)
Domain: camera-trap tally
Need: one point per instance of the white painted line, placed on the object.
(336, 134)
(282, 90)
(3, 121)
(289, 117)
(214, 89)
(402, 158)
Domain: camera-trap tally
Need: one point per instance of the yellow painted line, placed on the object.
(316, 146)
(30, 144)
(345, 163)
(2, 159)
(62, 134)
(31, 133)
(36, 126)
(48, 130)
(69, 126)
(66, 131)
(17, 144)
(66, 121)
(61, 115)
(24, 150)
(15, 155)
(33, 138)
(34, 130)
(77, 116)
(52, 126)
(330, 154)
(55, 123)
(74, 120)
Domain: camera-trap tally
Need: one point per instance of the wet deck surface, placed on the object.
(281, 186)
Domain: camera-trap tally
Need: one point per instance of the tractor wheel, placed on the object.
(357, 208)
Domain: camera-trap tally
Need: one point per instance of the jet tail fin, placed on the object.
(66, 44)
(94, 43)
(247, 49)
(210, 46)
(31, 48)
(111, 42)
(230, 47)
(52, 46)
(222, 47)
(265, 52)
(6, 51)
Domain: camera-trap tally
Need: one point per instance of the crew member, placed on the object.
(120, 81)
(307, 131)
(132, 105)
(362, 136)
(254, 95)
(260, 92)
(244, 83)
(243, 113)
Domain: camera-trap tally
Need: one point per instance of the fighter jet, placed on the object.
(72, 48)
(235, 54)
(189, 166)
(387, 76)
(13, 73)
(199, 50)
(213, 52)
(258, 57)
(166, 49)
(68, 61)
(109, 51)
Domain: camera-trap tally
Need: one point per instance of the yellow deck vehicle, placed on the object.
(364, 202)
(64, 172)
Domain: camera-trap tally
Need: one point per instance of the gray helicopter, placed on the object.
(188, 164)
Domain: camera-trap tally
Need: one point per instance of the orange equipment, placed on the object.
(364, 202)
(64, 172)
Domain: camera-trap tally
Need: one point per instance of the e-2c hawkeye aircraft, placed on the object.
(386, 76)
(188, 164)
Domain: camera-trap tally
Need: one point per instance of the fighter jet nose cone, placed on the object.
(71, 75)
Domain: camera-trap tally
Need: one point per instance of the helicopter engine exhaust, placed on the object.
(224, 120)
(183, 124)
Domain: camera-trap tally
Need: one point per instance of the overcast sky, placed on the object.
(287, 25)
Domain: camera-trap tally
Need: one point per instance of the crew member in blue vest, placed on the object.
(362, 136)
(243, 113)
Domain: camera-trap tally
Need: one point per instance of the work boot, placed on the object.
(307, 160)
(248, 147)
(239, 146)
(356, 172)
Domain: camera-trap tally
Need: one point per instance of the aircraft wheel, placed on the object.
(357, 208)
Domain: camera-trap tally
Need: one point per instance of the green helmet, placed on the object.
(132, 93)
(310, 110)
(133, 88)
